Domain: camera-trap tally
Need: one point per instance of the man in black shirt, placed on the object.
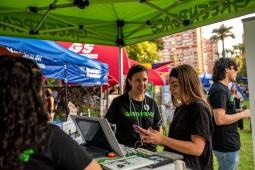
(225, 138)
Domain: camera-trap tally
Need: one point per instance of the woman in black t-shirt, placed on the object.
(191, 128)
(134, 108)
(27, 141)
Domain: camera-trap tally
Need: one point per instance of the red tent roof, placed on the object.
(154, 77)
(110, 56)
(105, 54)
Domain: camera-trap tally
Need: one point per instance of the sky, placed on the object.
(237, 25)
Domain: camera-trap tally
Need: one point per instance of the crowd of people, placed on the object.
(201, 125)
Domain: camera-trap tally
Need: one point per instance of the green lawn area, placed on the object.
(246, 154)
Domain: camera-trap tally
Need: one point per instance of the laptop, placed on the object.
(97, 135)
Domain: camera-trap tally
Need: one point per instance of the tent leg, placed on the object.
(121, 70)
(101, 102)
(66, 104)
(107, 99)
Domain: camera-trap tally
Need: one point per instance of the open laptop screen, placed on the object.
(93, 134)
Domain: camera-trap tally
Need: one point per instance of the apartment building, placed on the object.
(189, 47)
(212, 54)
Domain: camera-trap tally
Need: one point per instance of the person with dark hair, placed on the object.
(114, 90)
(225, 138)
(50, 104)
(134, 108)
(238, 103)
(191, 128)
(27, 141)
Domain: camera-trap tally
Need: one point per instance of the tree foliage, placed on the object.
(239, 53)
(145, 52)
(220, 34)
(173, 58)
(242, 71)
(160, 43)
(239, 49)
(51, 82)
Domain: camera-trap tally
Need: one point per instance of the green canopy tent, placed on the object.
(113, 22)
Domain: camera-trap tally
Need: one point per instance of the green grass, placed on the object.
(246, 153)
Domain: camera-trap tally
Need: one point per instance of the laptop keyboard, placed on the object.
(95, 152)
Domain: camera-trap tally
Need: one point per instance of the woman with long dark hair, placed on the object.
(134, 108)
(191, 127)
(27, 141)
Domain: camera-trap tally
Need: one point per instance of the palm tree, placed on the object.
(239, 49)
(229, 52)
(240, 59)
(220, 34)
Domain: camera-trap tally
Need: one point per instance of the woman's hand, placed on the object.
(150, 136)
(193, 147)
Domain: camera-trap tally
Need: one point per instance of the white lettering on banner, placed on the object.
(36, 58)
(87, 48)
(84, 50)
(93, 73)
(76, 47)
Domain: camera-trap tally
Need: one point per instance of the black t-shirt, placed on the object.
(193, 119)
(238, 103)
(225, 137)
(122, 113)
(61, 152)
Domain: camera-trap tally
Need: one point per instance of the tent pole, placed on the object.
(101, 102)
(163, 11)
(121, 69)
(107, 99)
(154, 18)
(51, 7)
(120, 42)
(66, 105)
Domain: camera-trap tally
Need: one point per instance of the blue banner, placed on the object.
(52, 58)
